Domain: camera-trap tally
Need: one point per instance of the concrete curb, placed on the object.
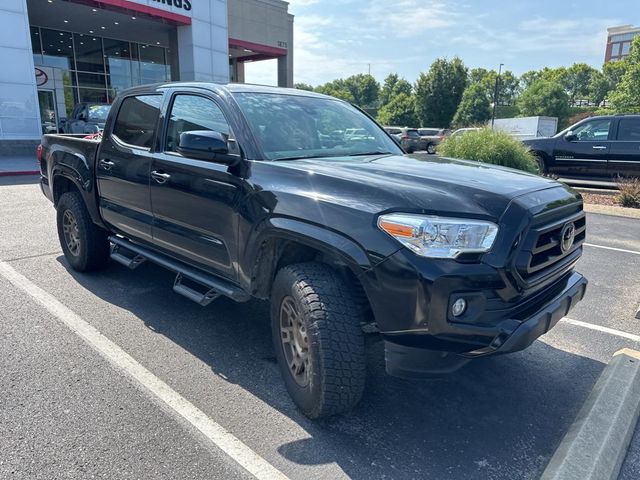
(612, 210)
(19, 173)
(595, 446)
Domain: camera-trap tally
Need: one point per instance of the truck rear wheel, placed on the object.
(318, 339)
(85, 245)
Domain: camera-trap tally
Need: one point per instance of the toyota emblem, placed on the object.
(41, 77)
(567, 237)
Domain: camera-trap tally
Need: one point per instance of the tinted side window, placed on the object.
(594, 130)
(629, 129)
(137, 120)
(190, 113)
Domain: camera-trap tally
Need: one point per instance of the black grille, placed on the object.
(542, 254)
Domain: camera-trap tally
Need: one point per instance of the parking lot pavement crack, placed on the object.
(27, 257)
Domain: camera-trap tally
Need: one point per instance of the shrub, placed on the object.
(629, 195)
(489, 146)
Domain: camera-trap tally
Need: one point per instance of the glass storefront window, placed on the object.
(93, 69)
(89, 56)
(57, 49)
(90, 95)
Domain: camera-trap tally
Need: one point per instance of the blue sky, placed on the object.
(338, 38)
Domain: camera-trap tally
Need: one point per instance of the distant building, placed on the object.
(619, 42)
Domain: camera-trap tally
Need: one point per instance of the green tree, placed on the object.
(614, 71)
(527, 78)
(626, 97)
(303, 86)
(438, 92)
(399, 111)
(364, 89)
(598, 88)
(507, 88)
(392, 86)
(474, 108)
(545, 98)
(336, 89)
(578, 80)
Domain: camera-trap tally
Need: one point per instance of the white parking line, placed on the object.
(221, 438)
(610, 331)
(611, 248)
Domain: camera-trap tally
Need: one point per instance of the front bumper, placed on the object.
(410, 355)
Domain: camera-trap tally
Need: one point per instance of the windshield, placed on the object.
(99, 113)
(290, 127)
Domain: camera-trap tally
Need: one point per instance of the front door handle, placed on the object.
(160, 177)
(107, 164)
(599, 147)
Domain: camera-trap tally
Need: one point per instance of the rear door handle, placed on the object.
(160, 177)
(599, 147)
(107, 164)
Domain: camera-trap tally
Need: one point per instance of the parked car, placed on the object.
(462, 131)
(605, 146)
(431, 137)
(409, 138)
(229, 187)
(86, 118)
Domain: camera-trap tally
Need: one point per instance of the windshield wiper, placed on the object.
(369, 153)
(301, 157)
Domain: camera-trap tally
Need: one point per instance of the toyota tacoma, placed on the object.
(246, 192)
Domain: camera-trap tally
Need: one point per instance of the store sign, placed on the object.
(41, 77)
(183, 4)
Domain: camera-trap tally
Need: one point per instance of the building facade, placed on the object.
(61, 53)
(619, 42)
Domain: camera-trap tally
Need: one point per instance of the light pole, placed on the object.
(495, 96)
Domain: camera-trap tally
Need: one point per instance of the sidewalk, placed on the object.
(12, 166)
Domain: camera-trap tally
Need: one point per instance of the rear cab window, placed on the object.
(137, 120)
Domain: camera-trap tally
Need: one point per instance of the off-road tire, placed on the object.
(336, 353)
(92, 249)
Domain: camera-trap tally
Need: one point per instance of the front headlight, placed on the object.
(438, 237)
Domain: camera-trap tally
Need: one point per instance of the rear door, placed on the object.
(589, 152)
(124, 163)
(624, 159)
(194, 201)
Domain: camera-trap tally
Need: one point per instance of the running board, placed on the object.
(213, 286)
(130, 262)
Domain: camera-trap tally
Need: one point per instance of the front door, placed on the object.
(624, 159)
(589, 152)
(194, 201)
(48, 113)
(124, 163)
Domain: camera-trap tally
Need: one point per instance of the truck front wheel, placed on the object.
(85, 245)
(318, 339)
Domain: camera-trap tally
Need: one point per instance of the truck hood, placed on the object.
(420, 183)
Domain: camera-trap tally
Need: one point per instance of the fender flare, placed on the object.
(322, 239)
(76, 170)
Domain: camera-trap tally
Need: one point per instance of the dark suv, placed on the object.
(595, 147)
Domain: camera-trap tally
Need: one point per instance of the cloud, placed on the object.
(407, 18)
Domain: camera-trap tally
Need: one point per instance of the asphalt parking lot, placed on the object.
(66, 412)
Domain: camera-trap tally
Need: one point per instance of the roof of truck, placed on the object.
(226, 87)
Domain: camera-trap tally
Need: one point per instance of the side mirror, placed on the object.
(206, 145)
(570, 136)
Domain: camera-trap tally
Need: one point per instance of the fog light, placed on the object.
(459, 307)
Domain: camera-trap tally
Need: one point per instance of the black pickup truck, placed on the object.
(243, 191)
